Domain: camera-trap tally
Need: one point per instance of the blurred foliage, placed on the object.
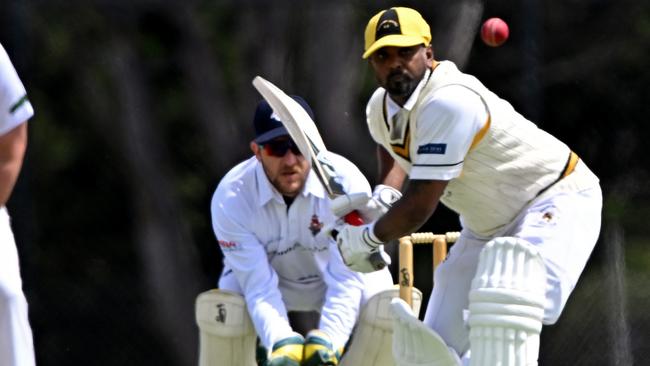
(142, 106)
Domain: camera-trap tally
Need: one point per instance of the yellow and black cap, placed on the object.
(399, 27)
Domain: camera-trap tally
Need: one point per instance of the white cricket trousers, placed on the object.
(563, 223)
(16, 345)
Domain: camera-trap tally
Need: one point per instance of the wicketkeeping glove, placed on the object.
(360, 248)
(319, 350)
(286, 352)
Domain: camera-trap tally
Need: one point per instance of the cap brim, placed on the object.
(270, 135)
(396, 40)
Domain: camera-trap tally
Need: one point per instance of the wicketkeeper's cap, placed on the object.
(399, 27)
(267, 124)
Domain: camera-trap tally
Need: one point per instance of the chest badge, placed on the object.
(315, 225)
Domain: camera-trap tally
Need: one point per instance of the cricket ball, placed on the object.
(494, 32)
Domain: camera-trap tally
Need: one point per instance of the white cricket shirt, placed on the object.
(14, 105)
(280, 257)
(453, 128)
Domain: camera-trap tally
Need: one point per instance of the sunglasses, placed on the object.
(279, 148)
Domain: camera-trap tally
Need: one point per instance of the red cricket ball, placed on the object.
(494, 32)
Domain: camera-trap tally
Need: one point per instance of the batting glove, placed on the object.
(346, 203)
(383, 198)
(286, 352)
(360, 248)
(371, 208)
(319, 350)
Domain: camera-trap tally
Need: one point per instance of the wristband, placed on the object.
(369, 237)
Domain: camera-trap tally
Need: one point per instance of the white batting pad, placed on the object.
(415, 344)
(373, 337)
(226, 333)
(506, 304)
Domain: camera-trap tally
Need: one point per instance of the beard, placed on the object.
(289, 181)
(400, 84)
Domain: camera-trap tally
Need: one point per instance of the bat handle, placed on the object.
(354, 219)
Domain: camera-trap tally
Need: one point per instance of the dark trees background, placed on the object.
(142, 106)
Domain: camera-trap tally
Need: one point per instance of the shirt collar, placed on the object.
(313, 186)
(266, 192)
(392, 107)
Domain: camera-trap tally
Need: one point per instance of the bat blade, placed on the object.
(299, 116)
(304, 133)
(290, 113)
(302, 130)
(300, 122)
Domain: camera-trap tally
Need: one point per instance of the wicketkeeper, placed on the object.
(530, 209)
(284, 281)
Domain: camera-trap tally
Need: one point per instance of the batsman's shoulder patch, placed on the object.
(432, 149)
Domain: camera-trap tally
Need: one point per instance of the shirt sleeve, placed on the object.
(246, 257)
(377, 99)
(342, 300)
(14, 105)
(446, 127)
(344, 286)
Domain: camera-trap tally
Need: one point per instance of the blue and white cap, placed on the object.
(267, 123)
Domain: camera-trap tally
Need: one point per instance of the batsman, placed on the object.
(529, 207)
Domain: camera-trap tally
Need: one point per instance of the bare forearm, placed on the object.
(395, 178)
(399, 221)
(8, 177)
(12, 150)
(390, 173)
(410, 212)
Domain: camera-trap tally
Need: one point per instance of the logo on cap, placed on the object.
(404, 26)
(388, 24)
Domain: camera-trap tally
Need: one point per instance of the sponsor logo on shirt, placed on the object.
(229, 246)
(432, 149)
(309, 278)
(296, 246)
(286, 250)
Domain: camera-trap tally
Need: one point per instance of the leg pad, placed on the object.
(226, 334)
(506, 304)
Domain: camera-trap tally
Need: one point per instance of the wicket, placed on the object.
(439, 242)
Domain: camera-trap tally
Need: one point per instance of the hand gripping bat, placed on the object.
(304, 133)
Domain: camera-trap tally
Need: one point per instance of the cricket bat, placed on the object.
(304, 133)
